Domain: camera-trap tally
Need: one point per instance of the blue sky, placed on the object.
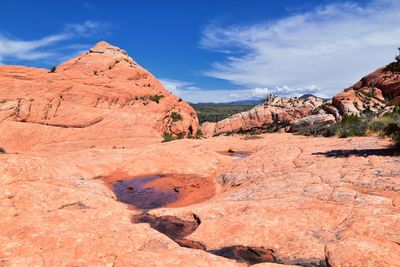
(214, 50)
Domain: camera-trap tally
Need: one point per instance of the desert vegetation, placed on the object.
(2, 150)
(175, 116)
(168, 137)
(387, 124)
(53, 69)
(156, 98)
(394, 66)
(212, 112)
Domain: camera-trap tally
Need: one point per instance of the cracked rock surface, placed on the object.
(310, 201)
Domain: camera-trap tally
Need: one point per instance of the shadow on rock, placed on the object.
(177, 229)
(345, 153)
(249, 255)
(171, 226)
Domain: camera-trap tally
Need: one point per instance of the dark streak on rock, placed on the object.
(177, 229)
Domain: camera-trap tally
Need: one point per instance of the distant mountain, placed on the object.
(309, 95)
(306, 96)
(246, 102)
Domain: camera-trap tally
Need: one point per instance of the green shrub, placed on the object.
(168, 137)
(393, 130)
(350, 119)
(176, 116)
(156, 98)
(352, 125)
(53, 69)
(310, 131)
(252, 137)
(355, 129)
(397, 109)
(394, 66)
(329, 130)
(377, 125)
(326, 130)
(2, 150)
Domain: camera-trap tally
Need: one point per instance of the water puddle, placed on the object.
(238, 155)
(165, 190)
(235, 154)
(177, 229)
(136, 192)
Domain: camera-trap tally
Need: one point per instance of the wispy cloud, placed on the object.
(194, 94)
(321, 51)
(177, 87)
(13, 49)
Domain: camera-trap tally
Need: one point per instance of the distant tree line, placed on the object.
(217, 112)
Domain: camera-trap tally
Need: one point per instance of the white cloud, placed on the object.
(194, 94)
(321, 51)
(21, 50)
(88, 27)
(177, 87)
(259, 92)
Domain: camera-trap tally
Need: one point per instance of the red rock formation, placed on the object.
(275, 111)
(373, 92)
(103, 92)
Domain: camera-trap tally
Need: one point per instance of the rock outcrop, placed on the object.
(102, 91)
(273, 112)
(317, 120)
(372, 93)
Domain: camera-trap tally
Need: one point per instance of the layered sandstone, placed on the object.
(373, 92)
(275, 112)
(101, 95)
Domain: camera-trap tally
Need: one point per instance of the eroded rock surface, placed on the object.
(275, 112)
(313, 121)
(308, 201)
(372, 93)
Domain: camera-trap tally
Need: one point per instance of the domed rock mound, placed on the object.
(100, 98)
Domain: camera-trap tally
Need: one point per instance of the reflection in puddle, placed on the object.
(235, 154)
(239, 155)
(136, 193)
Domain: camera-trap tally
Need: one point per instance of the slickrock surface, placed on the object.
(369, 93)
(310, 201)
(102, 95)
(275, 111)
